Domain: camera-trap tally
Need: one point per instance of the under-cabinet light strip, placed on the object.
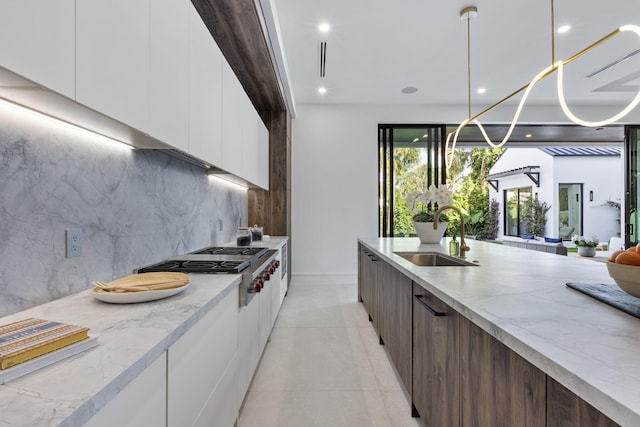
(64, 123)
(221, 179)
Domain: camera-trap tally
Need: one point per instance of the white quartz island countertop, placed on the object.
(130, 338)
(519, 296)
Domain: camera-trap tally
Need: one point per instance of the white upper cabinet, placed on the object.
(201, 366)
(245, 139)
(205, 92)
(250, 153)
(169, 72)
(234, 101)
(150, 64)
(263, 156)
(37, 41)
(112, 59)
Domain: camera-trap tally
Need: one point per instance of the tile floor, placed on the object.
(324, 367)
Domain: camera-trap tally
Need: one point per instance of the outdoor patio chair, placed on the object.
(615, 243)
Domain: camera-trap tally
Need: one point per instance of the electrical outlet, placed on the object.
(74, 242)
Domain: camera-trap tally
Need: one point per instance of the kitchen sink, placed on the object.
(434, 259)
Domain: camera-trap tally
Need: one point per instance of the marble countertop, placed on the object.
(274, 242)
(130, 337)
(519, 297)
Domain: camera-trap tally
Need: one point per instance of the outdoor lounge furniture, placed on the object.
(536, 244)
(615, 244)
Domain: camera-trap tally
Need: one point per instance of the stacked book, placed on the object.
(31, 343)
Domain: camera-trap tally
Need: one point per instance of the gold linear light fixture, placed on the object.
(558, 66)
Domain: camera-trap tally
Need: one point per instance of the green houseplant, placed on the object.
(534, 217)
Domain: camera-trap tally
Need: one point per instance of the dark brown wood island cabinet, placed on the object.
(500, 388)
(395, 319)
(436, 360)
(565, 409)
(368, 282)
(386, 295)
(459, 375)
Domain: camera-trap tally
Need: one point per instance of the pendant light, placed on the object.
(452, 138)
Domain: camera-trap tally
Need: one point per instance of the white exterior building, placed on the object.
(575, 182)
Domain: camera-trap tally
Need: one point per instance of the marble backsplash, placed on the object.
(134, 207)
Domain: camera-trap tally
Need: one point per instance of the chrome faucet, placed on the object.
(463, 246)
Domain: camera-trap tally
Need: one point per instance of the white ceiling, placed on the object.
(377, 47)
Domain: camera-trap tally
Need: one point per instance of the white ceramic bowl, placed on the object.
(626, 276)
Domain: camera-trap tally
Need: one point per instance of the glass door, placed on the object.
(515, 199)
(410, 156)
(570, 210)
(632, 146)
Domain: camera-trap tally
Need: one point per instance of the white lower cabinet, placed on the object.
(223, 406)
(203, 378)
(141, 403)
(264, 325)
(249, 348)
(275, 285)
(198, 365)
(284, 276)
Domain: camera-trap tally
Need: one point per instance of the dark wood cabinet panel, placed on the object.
(436, 360)
(386, 295)
(368, 284)
(500, 388)
(458, 374)
(566, 409)
(394, 310)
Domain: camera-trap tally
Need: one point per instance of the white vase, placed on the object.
(427, 234)
(586, 251)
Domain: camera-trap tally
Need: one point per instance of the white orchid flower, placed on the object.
(411, 201)
(442, 195)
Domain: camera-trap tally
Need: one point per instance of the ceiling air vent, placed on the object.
(611, 64)
(323, 58)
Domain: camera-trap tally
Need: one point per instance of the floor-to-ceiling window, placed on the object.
(569, 210)
(410, 156)
(514, 200)
(632, 215)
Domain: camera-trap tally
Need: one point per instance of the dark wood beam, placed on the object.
(236, 27)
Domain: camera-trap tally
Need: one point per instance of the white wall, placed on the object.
(334, 175)
(605, 177)
(515, 158)
(334, 181)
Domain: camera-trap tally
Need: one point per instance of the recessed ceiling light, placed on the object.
(481, 90)
(409, 90)
(563, 29)
(324, 27)
(416, 139)
(425, 136)
(322, 90)
(528, 135)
